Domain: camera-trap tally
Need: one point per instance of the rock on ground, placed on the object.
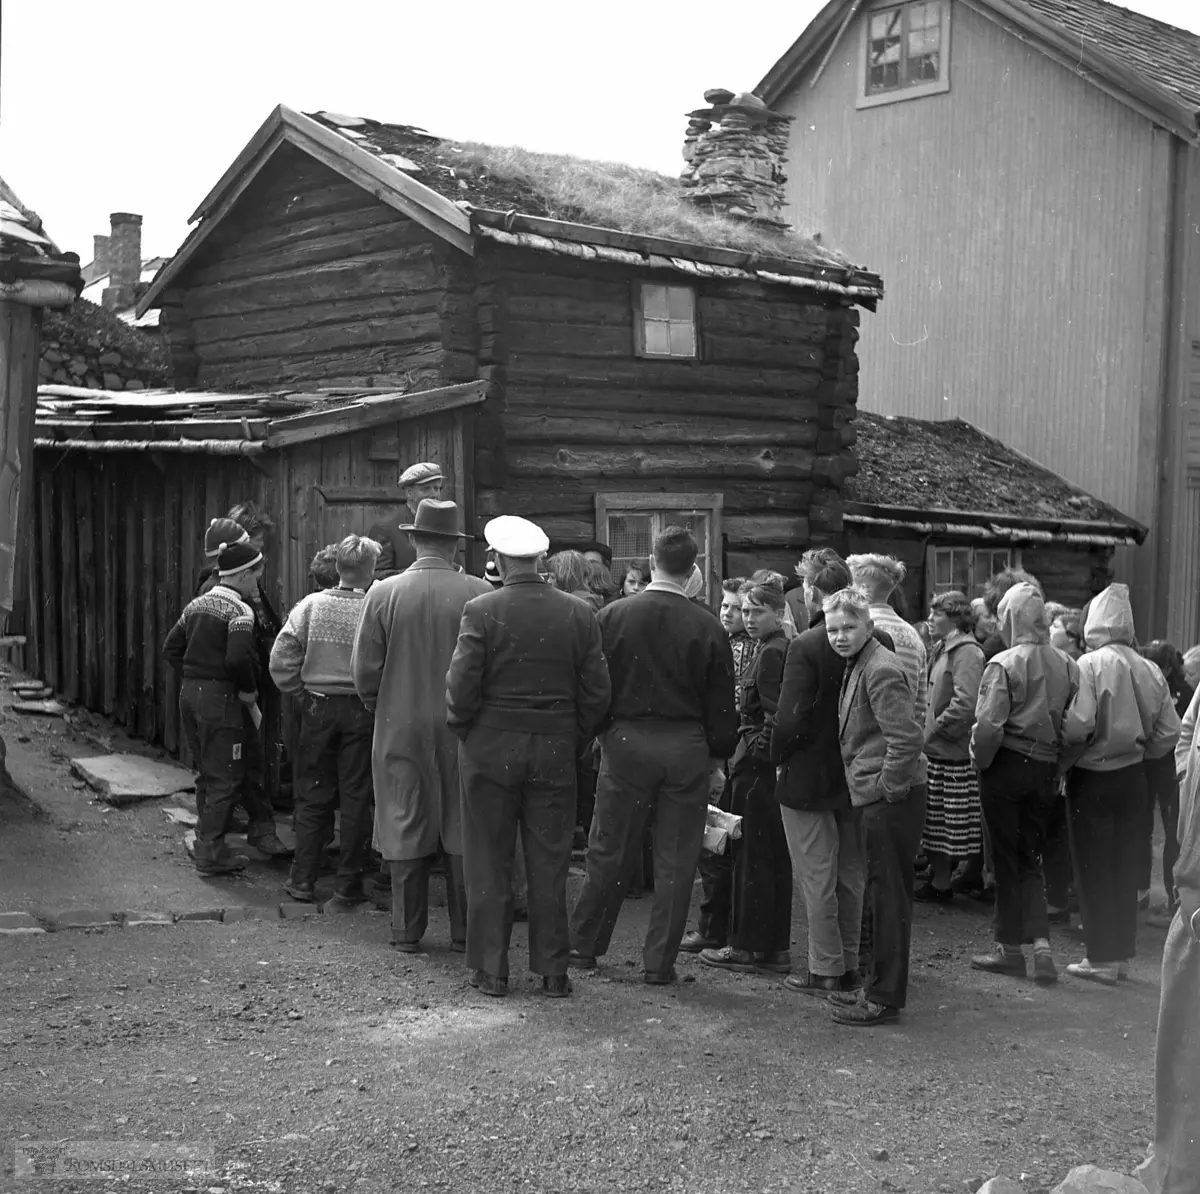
(1002, 1185)
(1090, 1179)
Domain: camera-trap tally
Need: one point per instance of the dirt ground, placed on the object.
(309, 1056)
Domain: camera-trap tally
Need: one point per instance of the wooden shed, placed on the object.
(644, 361)
(127, 484)
(958, 506)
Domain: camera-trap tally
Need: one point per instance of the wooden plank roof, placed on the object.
(26, 249)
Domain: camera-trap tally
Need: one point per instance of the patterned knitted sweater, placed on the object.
(313, 649)
(214, 640)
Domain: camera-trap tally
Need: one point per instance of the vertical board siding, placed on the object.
(1012, 220)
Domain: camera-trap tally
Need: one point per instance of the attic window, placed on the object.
(664, 320)
(905, 51)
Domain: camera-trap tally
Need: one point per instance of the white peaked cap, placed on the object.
(516, 537)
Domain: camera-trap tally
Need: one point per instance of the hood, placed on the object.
(1022, 616)
(1109, 618)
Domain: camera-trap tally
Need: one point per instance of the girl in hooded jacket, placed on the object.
(1122, 715)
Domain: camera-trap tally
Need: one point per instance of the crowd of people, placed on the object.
(1006, 748)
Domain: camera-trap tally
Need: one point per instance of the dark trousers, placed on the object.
(1056, 852)
(762, 866)
(1162, 790)
(1018, 795)
(512, 779)
(410, 897)
(585, 785)
(716, 883)
(228, 752)
(892, 833)
(333, 770)
(1106, 813)
(656, 773)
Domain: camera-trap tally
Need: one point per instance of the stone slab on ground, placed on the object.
(1002, 1185)
(48, 708)
(298, 911)
(135, 920)
(248, 912)
(85, 918)
(127, 779)
(1091, 1179)
(200, 914)
(19, 922)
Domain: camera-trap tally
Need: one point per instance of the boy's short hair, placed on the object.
(356, 556)
(733, 584)
(873, 571)
(848, 601)
(768, 595)
(999, 584)
(957, 607)
(250, 518)
(824, 570)
(323, 568)
(675, 551)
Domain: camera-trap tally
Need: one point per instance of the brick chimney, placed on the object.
(100, 256)
(736, 151)
(124, 261)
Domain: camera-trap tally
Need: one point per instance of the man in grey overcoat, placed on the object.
(403, 647)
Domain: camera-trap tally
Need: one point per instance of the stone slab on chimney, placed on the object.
(125, 260)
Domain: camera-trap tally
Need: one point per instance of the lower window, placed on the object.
(966, 569)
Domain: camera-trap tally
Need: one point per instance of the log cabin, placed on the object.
(650, 352)
(957, 505)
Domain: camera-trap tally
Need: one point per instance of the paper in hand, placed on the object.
(256, 715)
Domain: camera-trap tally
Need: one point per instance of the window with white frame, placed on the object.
(630, 522)
(905, 52)
(665, 320)
(966, 569)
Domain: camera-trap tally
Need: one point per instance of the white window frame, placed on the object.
(640, 320)
(938, 86)
(931, 554)
(710, 504)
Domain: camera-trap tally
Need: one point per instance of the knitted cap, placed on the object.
(237, 557)
(222, 533)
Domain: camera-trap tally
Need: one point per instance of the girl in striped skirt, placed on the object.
(953, 822)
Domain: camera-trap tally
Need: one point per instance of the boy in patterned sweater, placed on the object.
(212, 645)
(311, 658)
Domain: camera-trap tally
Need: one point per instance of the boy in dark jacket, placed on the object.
(212, 646)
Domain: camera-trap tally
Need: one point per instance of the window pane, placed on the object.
(924, 16)
(654, 301)
(683, 339)
(679, 302)
(658, 337)
(941, 569)
(962, 569)
(630, 537)
(884, 23)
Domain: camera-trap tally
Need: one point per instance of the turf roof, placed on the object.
(560, 187)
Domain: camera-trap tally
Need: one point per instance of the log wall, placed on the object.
(308, 279)
(763, 415)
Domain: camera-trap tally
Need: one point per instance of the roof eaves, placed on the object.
(788, 68)
(997, 525)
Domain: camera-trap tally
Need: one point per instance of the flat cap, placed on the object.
(516, 537)
(421, 474)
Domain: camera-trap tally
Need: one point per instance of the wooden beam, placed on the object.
(388, 184)
(243, 161)
(372, 412)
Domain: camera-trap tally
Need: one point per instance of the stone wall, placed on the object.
(85, 345)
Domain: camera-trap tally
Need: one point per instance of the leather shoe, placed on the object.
(740, 960)
(1000, 961)
(695, 941)
(300, 892)
(488, 984)
(812, 984)
(659, 978)
(928, 894)
(267, 842)
(556, 986)
(581, 961)
(225, 863)
(866, 1014)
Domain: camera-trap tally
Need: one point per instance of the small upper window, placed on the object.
(666, 322)
(906, 51)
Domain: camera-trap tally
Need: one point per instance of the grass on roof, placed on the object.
(632, 199)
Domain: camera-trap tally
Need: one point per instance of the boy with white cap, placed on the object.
(212, 646)
(527, 684)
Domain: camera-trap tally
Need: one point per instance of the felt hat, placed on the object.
(420, 474)
(237, 557)
(222, 533)
(435, 518)
(516, 537)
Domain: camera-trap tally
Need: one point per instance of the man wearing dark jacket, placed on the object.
(527, 685)
(672, 717)
(824, 831)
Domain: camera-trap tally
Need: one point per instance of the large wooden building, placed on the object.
(632, 378)
(1025, 174)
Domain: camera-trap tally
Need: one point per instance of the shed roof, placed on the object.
(466, 192)
(922, 471)
(26, 250)
(227, 424)
(1154, 66)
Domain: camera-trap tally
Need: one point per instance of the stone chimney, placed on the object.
(736, 151)
(100, 255)
(124, 261)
